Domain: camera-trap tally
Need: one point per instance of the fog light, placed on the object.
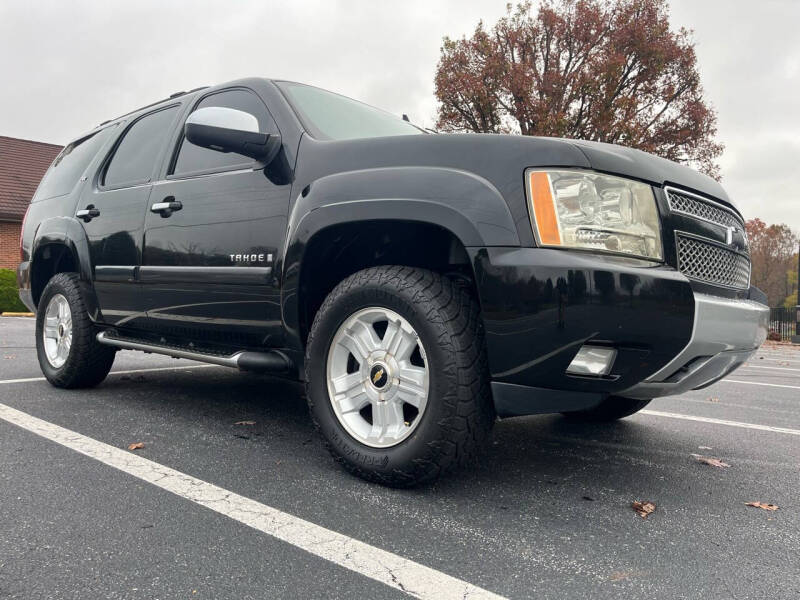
(592, 360)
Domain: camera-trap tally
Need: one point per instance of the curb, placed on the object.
(17, 314)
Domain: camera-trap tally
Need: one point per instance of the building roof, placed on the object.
(22, 165)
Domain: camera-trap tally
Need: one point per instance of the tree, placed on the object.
(791, 280)
(605, 70)
(772, 254)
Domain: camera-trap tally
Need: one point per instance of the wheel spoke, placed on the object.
(412, 386)
(349, 393)
(67, 342)
(51, 327)
(387, 419)
(345, 384)
(360, 339)
(398, 342)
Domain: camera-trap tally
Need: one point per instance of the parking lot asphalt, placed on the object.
(545, 513)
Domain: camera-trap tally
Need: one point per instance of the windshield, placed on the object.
(331, 116)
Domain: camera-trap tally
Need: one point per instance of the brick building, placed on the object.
(22, 165)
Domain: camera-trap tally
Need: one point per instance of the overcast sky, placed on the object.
(67, 66)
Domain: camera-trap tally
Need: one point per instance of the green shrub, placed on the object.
(9, 296)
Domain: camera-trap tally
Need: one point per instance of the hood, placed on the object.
(629, 162)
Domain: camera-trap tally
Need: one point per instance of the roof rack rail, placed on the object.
(171, 97)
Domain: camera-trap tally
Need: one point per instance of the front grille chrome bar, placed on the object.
(704, 209)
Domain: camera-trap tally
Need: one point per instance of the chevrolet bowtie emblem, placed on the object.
(377, 376)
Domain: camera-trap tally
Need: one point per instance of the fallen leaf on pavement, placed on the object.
(619, 576)
(713, 462)
(643, 508)
(704, 448)
(136, 446)
(713, 399)
(245, 423)
(763, 505)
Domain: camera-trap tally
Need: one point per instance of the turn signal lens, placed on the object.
(593, 211)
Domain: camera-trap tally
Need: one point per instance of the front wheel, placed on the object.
(610, 409)
(397, 377)
(69, 354)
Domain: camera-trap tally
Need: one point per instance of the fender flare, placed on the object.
(467, 206)
(68, 232)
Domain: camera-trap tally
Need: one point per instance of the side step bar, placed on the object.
(271, 361)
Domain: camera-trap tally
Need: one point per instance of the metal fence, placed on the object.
(782, 321)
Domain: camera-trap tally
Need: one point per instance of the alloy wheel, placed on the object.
(377, 377)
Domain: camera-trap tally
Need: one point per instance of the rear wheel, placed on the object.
(610, 409)
(397, 377)
(69, 354)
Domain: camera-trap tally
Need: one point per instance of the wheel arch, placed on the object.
(60, 246)
(388, 210)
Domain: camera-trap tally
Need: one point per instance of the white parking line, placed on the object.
(791, 387)
(771, 368)
(128, 372)
(395, 571)
(658, 413)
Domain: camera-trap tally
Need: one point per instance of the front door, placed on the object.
(211, 238)
(112, 211)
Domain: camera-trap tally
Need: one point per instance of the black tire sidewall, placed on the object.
(423, 440)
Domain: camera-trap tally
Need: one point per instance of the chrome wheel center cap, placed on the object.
(379, 376)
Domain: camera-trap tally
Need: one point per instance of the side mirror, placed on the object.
(230, 130)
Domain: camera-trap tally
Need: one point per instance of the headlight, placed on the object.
(580, 209)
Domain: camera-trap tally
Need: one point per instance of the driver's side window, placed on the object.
(195, 159)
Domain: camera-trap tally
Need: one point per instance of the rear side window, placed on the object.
(135, 157)
(194, 159)
(70, 164)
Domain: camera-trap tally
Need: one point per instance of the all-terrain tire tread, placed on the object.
(453, 312)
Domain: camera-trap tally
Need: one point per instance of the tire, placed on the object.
(610, 409)
(83, 362)
(457, 415)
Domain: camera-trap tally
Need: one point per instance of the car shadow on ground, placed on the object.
(524, 454)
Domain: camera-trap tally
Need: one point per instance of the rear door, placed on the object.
(112, 211)
(207, 268)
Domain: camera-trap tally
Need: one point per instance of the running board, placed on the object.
(271, 361)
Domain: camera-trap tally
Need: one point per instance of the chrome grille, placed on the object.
(699, 208)
(712, 263)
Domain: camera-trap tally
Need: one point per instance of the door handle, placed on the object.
(167, 207)
(87, 214)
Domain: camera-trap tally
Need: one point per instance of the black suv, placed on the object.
(420, 284)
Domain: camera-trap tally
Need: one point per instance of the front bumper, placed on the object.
(726, 333)
(541, 305)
